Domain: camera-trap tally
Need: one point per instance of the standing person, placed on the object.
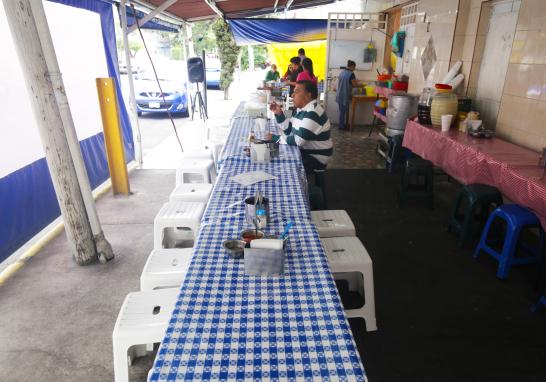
(287, 74)
(301, 54)
(296, 69)
(345, 83)
(307, 73)
(272, 74)
(308, 128)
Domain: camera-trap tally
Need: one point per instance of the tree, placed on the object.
(228, 52)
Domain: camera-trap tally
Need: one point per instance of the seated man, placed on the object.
(308, 128)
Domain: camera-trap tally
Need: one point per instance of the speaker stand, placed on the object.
(198, 101)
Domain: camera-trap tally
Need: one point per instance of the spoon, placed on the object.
(286, 229)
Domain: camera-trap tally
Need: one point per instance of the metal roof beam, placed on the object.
(151, 15)
(214, 7)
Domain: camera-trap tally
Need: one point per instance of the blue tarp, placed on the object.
(155, 23)
(27, 200)
(267, 31)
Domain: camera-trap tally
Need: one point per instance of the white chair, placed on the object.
(196, 171)
(333, 223)
(165, 268)
(350, 261)
(191, 192)
(142, 320)
(200, 153)
(176, 224)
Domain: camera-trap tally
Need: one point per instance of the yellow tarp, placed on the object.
(280, 54)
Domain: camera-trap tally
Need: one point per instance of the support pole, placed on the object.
(132, 100)
(38, 80)
(104, 249)
(113, 138)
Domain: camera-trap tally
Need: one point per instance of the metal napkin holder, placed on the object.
(264, 262)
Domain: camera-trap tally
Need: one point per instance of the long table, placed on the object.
(229, 326)
(514, 170)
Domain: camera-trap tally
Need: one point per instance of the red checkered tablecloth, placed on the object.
(514, 170)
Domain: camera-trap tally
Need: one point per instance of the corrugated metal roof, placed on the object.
(199, 9)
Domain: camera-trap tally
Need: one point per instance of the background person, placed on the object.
(296, 69)
(345, 83)
(272, 74)
(307, 73)
(301, 54)
(287, 74)
(308, 128)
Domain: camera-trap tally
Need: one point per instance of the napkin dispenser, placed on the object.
(264, 258)
(259, 153)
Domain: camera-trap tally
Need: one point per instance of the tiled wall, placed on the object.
(522, 115)
(459, 29)
(442, 16)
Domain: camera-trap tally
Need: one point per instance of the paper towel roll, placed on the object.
(267, 243)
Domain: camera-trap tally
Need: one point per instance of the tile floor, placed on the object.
(354, 150)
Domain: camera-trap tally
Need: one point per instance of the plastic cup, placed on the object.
(446, 122)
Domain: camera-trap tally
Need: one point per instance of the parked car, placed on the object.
(213, 68)
(175, 91)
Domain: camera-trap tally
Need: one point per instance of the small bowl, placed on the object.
(250, 234)
(235, 248)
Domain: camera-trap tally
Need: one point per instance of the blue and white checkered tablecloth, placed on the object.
(287, 194)
(230, 326)
(238, 139)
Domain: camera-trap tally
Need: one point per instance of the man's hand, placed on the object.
(268, 136)
(275, 108)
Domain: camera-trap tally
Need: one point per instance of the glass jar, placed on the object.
(423, 107)
(444, 102)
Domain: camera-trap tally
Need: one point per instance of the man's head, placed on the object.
(295, 61)
(301, 52)
(274, 67)
(351, 65)
(304, 92)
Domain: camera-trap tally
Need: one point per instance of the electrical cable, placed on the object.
(156, 78)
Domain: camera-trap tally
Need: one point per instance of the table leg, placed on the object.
(373, 125)
(353, 104)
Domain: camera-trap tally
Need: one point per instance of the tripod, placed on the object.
(202, 108)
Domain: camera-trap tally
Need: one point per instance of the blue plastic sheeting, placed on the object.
(267, 31)
(27, 199)
(155, 23)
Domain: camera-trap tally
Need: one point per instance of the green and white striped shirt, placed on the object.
(309, 129)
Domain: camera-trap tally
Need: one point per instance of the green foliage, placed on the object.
(203, 37)
(228, 52)
(260, 57)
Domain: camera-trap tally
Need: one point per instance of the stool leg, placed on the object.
(467, 225)
(403, 189)
(483, 237)
(430, 188)
(453, 221)
(508, 252)
(121, 366)
(369, 301)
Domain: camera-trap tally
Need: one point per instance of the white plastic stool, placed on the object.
(203, 153)
(333, 223)
(165, 268)
(196, 171)
(191, 192)
(176, 224)
(350, 261)
(142, 319)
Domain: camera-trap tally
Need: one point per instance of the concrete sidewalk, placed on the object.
(56, 317)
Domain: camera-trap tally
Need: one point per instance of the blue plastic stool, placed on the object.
(517, 218)
(541, 301)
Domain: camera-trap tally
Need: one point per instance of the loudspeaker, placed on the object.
(196, 70)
